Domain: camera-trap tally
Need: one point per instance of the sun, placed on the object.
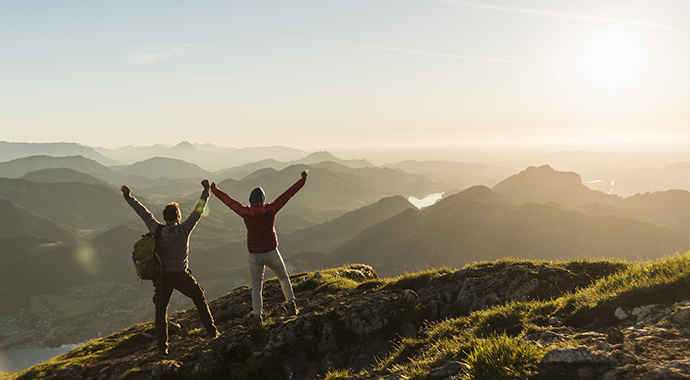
(613, 59)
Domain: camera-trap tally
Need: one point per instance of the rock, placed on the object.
(615, 336)
(409, 296)
(567, 356)
(556, 321)
(352, 274)
(450, 368)
(408, 330)
(672, 370)
(331, 361)
(682, 316)
(164, 368)
(585, 355)
(644, 314)
(586, 373)
(328, 341)
(545, 338)
(621, 314)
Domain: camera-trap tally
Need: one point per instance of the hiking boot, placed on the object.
(210, 335)
(257, 319)
(291, 308)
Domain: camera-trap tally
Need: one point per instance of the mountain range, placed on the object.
(19, 167)
(317, 158)
(544, 184)
(14, 150)
(208, 156)
(472, 226)
(346, 188)
(66, 226)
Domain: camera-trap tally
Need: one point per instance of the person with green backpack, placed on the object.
(172, 245)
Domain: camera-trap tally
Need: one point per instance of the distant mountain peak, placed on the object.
(160, 159)
(543, 168)
(544, 184)
(184, 145)
(324, 156)
(546, 172)
(321, 156)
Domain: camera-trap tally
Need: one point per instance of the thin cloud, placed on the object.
(562, 15)
(408, 51)
(160, 52)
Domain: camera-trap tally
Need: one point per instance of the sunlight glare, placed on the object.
(613, 59)
(85, 258)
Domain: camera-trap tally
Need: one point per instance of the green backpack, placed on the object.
(146, 259)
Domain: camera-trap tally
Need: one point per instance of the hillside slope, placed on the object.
(21, 166)
(329, 235)
(78, 205)
(500, 320)
(17, 220)
(62, 175)
(161, 167)
(476, 225)
(348, 318)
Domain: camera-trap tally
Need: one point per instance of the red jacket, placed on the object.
(260, 221)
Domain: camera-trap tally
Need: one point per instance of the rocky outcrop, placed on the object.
(346, 326)
(650, 342)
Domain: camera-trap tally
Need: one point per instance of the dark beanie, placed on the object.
(257, 197)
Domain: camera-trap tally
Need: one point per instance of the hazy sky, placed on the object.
(355, 74)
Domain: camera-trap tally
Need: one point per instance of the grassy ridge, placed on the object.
(488, 343)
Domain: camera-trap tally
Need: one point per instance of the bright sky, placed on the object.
(355, 74)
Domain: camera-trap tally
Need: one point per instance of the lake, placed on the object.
(425, 201)
(18, 359)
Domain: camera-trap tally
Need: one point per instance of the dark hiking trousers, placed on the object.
(187, 285)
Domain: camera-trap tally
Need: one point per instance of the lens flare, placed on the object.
(200, 207)
(85, 258)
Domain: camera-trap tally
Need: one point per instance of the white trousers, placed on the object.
(274, 262)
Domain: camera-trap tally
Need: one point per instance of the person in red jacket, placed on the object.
(262, 241)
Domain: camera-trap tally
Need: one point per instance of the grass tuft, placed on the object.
(337, 374)
(500, 357)
(415, 280)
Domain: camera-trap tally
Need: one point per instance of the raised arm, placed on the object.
(151, 223)
(289, 193)
(198, 211)
(226, 199)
